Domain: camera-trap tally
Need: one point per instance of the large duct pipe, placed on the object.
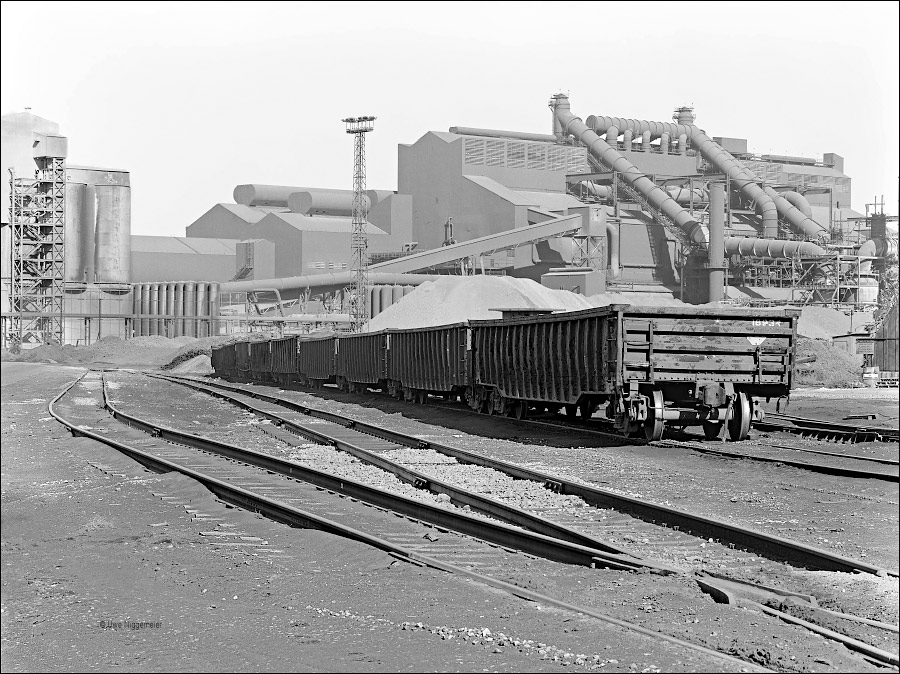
(266, 195)
(612, 136)
(798, 201)
(324, 202)
(498, 133)
(797, 220)
(612, 245)
(875, 248)
(595, 190)
(683, 195)
(610, 158)
(628, 135)
(682, 143)
(716, 255)
(737, 245)
(767, 201)
(664, 143)
(742, 180)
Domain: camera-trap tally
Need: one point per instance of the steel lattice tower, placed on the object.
(38, 222)
(359, 306)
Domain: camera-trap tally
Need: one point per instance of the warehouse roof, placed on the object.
(251, 214)
(313, 223)
(182, 245)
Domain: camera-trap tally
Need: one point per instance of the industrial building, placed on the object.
(593, 204)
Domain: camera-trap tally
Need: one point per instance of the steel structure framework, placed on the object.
(359, 307)
(38, 221)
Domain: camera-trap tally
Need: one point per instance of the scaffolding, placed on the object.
(37, 220)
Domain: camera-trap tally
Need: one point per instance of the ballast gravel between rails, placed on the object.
(751, 539)
(486, 505)
(286, 514)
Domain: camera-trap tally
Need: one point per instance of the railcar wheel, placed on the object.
(421, 396)
(712, 429)
(520, 409)
(655, 425)
(741, 415)
(571, 410)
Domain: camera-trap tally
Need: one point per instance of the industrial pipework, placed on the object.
(769, 203)
(601, 150)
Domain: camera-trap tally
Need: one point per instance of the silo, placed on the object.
(407, 290)
(213, 299)
(387, 294)
(179, 310)
(396, 294)
(75, 233)
(190, 309)
(145, 309)
(169, 311)
(136, 308)
(112, 235)
(202, 310)
(154, 309)
(374, 293)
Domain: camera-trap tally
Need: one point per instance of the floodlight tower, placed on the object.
(359, 307)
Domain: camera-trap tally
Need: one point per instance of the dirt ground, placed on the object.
(105, 567)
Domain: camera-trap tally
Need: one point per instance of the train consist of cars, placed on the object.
(639, 368)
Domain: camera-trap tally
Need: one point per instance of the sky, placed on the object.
(194, 98)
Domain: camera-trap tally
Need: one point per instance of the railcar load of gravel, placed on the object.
(455, 299)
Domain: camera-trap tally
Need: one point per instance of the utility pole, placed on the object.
(359, 307)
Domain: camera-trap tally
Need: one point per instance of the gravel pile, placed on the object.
(140, 350)
(832, 367)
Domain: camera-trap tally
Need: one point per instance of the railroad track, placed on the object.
(724, 587)
(279, 490)
(676, 520)
(859, 470)
(227, 471)
(827, 430)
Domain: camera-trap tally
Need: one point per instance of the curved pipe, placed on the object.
(612, 244)
(607, 156)
(769, 203)
(798, 201)
(595, 190)
(737, 245)
(875, 248)
(796, 219)
(683, 195)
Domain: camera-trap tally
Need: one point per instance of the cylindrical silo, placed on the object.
(112, 236)
(75, 233)
(387, 297)
(374, 300)
(145, 310)
(136, 309)
(170, 311)
(154, 308)
(396, 294)
(190, 309)
(202, 310)
(179, 310)
(213, 303)
(407, 290)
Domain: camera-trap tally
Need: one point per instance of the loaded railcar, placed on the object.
(649, 366)
(222, 360)
(315, 361)
(261, 360)
(360, 361)
(242, 359)
(428, 360)
(284, 360)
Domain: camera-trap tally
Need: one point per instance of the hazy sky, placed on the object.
(195, 98)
